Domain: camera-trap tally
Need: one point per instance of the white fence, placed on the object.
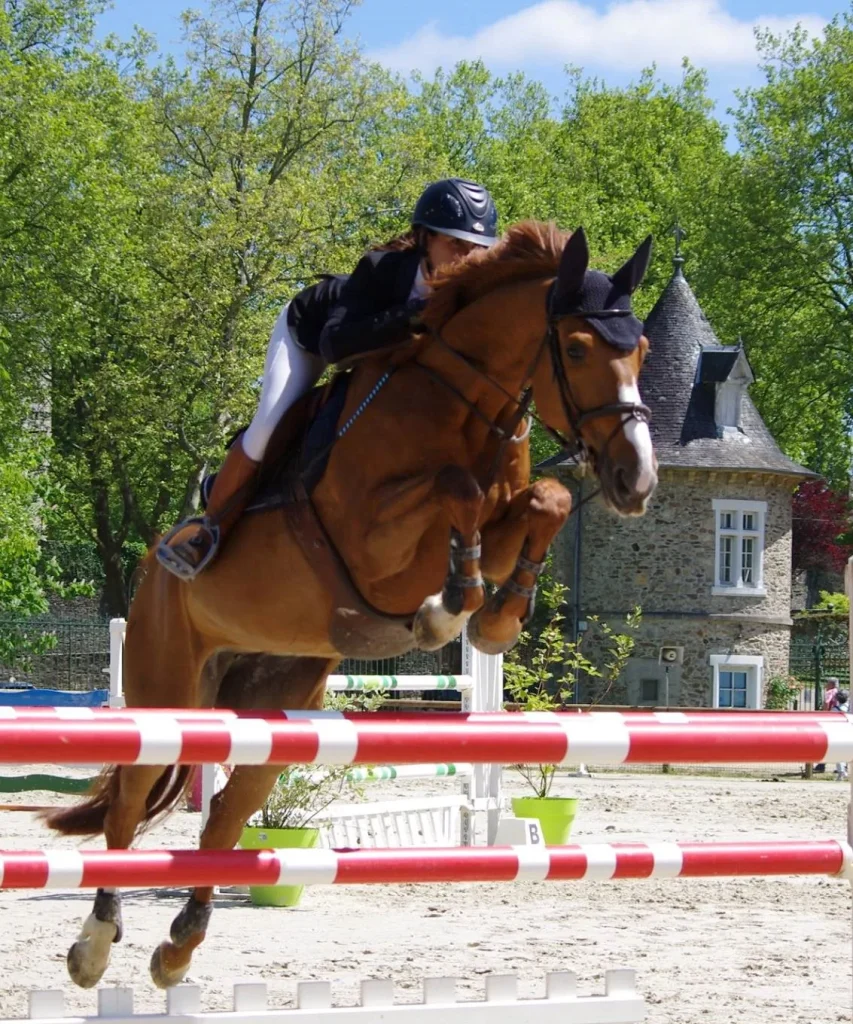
(620, 1004)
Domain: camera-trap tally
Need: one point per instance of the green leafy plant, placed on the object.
(540, 670)
(300, 795)
(835, 604)
(355, 700)
(304, 791)
(781, 690)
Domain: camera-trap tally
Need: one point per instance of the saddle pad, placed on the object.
(319, 437)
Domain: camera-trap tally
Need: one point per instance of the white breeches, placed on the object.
(288, 373)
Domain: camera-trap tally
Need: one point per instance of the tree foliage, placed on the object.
(155, 216)
(782, 270)
(821, 533)
(28, 575)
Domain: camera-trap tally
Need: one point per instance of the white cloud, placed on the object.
(631, 34)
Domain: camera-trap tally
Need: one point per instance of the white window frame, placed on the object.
(754, 666)
(739, 507)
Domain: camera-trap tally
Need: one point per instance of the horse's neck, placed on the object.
(497, 337)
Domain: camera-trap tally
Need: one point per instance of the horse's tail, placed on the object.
(87, 818)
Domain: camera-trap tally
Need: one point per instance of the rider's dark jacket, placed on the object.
(342, 316)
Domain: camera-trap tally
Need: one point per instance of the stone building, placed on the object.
(710, 562)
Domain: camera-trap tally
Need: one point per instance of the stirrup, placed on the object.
(176, 562)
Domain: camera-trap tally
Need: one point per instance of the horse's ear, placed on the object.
(573, 265)
(629, 277)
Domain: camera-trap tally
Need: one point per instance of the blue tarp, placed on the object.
(24, 695)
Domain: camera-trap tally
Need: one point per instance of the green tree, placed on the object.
(50, 93)
(21, 591)
(783, 267)
(42, 53)
(27, 575)
(221, 197)
(102, 351)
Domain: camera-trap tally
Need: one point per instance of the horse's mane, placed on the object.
(531, 249)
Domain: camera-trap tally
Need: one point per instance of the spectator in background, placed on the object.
(841, 704)
(830, 691)
(832, 687)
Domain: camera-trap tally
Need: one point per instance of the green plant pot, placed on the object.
(555, 814)
(277, 839)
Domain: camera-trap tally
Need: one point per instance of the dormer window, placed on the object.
(727, 370)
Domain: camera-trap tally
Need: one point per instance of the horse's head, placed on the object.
(588, 387)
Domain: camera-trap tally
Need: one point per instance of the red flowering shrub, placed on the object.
(821, 531)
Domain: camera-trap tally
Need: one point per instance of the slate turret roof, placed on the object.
(678, 382)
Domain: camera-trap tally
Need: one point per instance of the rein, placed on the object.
(575, 415)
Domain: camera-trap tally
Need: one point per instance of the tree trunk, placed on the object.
(114, 603)
(110, 542)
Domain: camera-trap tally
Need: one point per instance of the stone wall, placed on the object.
(690, 684)
(664, 562)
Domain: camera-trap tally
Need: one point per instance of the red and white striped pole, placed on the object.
(77, 869)
(178, 737)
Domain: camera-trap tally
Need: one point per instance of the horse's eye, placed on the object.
(575, 352)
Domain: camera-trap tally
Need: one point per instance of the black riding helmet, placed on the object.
(459, 208)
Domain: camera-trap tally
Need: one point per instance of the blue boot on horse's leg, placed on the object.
(190, 547)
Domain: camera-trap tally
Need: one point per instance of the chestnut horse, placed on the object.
(432, 469)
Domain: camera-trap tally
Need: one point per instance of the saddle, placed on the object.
(294, 463)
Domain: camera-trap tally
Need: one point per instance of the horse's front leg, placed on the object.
(514, 552)
(442, 616)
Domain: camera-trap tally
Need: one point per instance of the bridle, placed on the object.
(576, 416)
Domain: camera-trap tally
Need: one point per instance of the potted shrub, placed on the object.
(538, 674)
(301, 794)
(284, 822)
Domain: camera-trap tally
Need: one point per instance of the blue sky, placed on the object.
(612, 40)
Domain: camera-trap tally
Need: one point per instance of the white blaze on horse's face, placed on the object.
(638, 436)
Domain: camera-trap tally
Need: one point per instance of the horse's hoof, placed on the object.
(434, 625)
(89, 957)
(488, 645)
(165, 972)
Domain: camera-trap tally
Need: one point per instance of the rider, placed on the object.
(332, 320)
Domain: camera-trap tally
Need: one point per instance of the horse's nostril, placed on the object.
(620, 479)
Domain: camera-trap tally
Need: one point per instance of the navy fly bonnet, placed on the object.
(603, 301)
